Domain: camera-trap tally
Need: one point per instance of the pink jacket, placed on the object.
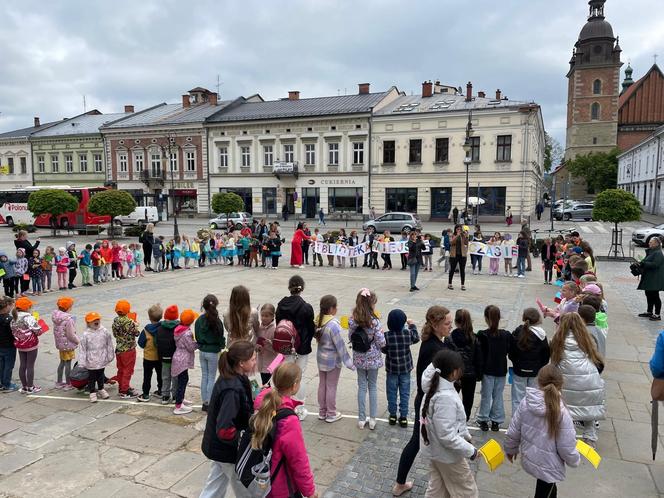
(183, 358)
(289, 445)
(64, 331)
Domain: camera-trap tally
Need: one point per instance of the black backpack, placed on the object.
(253, 466)
(360, 341)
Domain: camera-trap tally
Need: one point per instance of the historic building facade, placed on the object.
(16, 156)
(641, 107)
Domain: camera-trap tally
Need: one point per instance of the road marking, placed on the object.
(410, 422)
(131, 401)
(601, 229)
(585, 229)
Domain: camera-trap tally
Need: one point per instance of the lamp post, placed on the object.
(467, 147)
(172, 148)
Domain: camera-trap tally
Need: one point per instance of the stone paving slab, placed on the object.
(8, 425)
(25, 439)
(100, 429)
(109, 488)
(27, 411)
(120, 462)
(190, 486)
(58, 424)
(151, 436)
(17, 459)
(171, 469)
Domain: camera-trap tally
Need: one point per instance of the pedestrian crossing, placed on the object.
(596, 227)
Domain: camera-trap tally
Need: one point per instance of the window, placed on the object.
(358, 152)
(597, 87)
(190, 161)
(223, 157)
(310, 154)
(474, 148)
(69, 163)
(401, 199)
(138, 161)
(344, 199)
(24, 165)
(269, 200)
(442, 150)
(10, 165)
(289, 155)
(268, 155)
(41, 164)
(55, 164)
(122, 161)
(504, 148)
(594, 140)
(245, 152)
(389, 152)
(174, 161)
(594, 111)
(415, 151)
(333, 156)
(494, 200)
(83, 163)
(98, 163)
(155, 165)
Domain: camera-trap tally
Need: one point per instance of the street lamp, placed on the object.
(172, 148)
(467, 147)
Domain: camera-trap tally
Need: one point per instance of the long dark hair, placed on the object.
(492, 318)
(464, 322)
(446, 362)
(530, 317)
(229, 359)
(209, 305)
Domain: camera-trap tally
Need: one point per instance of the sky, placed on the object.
(145, 52)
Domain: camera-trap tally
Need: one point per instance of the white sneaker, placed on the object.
(361, 424)
(372, 423)
(93, 397)
(182, 410)
(103, 394)
(186, 402)
(521, 276)
(336, 417)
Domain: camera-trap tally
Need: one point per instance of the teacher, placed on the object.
(652, 279)
(458, 256)
(147, 239)
(21, 242)
(296, 258)
(415, 246)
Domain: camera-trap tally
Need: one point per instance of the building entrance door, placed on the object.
(441, 202)
(310, 201)
(289, 201)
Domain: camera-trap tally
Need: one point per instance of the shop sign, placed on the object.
(186, 192)
(338, 181)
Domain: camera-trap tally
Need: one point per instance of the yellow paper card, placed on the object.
(493, 454)
(36, 315)
(589, 452)
(344, 321)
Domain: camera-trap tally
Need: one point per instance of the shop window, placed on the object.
(401, 199)
(494, 200)
(269, 200)
(344, 199)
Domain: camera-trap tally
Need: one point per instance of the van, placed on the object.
(142, 215)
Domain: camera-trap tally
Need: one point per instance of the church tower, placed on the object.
(593, 87)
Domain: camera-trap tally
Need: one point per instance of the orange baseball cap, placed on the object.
(92, 316)
(187, 317)
(122, 306)
(65, 303)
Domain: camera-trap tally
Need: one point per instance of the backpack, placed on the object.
(141, 238)
(253, 466)
(286, 338)
(359, 340)
(79, 376)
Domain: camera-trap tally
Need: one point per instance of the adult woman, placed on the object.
(147, 239)
(296, 246)
(21, 242)
(209, 333)
(435, 336)
(652, 278)
(415, 246)
(241, 320)
(508, 216)
(458, 256)
(306, 242)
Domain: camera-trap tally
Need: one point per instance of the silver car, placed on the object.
(578, 210)
(394, 222)
(642, 236)
(239, 220)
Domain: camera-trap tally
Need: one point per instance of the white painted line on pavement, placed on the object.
(131, 401)
(601, 229)
(585, 229)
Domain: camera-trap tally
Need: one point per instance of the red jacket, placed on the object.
(106, 253)
(115, 251)
(289, 445)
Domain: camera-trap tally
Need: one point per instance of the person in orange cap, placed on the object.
(66, 340)
(165, 339)
(26, 332)
(96, 352)
(125, 331)
(183, 359)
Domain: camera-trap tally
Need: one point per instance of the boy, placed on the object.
(7, 348)
(158, 253)
(166, 348)
(399, 363)
(125, 331)
(86, 264)
(587, 313)
(7, 266)
(150, 355)
(97, 263)
(73, 263)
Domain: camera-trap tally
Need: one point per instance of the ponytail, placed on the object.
(550, 380)
(231, 358)
(209, 305)
(435, 315)
(530, 317)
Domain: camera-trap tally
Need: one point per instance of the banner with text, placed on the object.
(361, 249)
(503, 251)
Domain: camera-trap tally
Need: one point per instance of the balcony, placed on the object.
(285, 168)
(153, 178)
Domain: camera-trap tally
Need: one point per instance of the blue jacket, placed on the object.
(7, 265)
(446, 241)
(86, 259)
(657, 360)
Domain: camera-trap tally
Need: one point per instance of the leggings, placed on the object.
(26, 367)
(95, 380)
(183, 380)
(548, 269)
(654, 302)
(412, 448)
(8, 284)
(65, 365)
(546, 489)
(72, 275)
(62, 280)
(468, 383)
(461, 261)
(116, 270)
(275, 261)
(23, 285)
(46, 280)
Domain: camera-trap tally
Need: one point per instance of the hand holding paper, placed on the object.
(493, 454)
(275, 363)
(588, 452)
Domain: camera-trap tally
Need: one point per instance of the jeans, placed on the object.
(492, 407)
(221, 475)
(183, 380)
(521, 265)
(519, 385)
(96, 274)
(7, 361)
(148, 367)
(414, 270)
(401, 383)
(327, 392)
(476, 260)
(125, 363)
(37, 284)
(209, 362)
(367, 379)
(169, 384)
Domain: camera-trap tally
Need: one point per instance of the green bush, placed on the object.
(134, 230)
(24, 226)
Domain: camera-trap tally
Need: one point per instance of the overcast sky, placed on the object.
(150, 51)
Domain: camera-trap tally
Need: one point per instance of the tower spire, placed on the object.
(596, 9)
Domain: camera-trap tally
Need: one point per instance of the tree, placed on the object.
(553, 152)
(599, 169)
(616, 206)
(227, 203)
(112, 203)
(53, 202)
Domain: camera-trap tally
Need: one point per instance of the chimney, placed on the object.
(129, 108)
(37, 124)
(427, 89)
(481, 95)
(498, 94)
(469, 92)
(293, 95)
(213, 98)
(185, 101)
(363, 88)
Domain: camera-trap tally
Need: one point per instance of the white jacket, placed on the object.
(445, 422)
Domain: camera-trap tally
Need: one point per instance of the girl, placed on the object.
(266, 354)
(589, 256)
(26, 332)
(573, 350)
(183, 360)
(367, 361)
(35, 271)
(138, 260)
(288, 449)
(495, 346)
(458, 255)
(66, 340)
(96, 351)
(240, 320)
(228, 414)
(196, 253)
(543, 431)
(62, 267)
(467, 344)
(353, 240)
(444, 432)
(568, 303)
(331, 355)
(529, 351)
(387, 258)
(186, 250)
(494, 262)
(445, 249)
(129, 258)
(22, 277)
(107, 255)
(176, 253)
(47, 266)
(476, 259)
(342, 241)
(507, 250)
(548, 252)
(116, 265)
(239, 248)
(427, 252)
(229, 249)
(209, 332)
(274, 246)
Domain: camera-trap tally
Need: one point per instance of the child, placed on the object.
(183, 359)
(21, 275)
(73, 264)
(158, 253)
(125, 331)
(176, 253)
(116, 264)
(253, 252)
(494, 262)
(587, 313)
(331, 355)
(97, 263)
(543, 431)
(47, 266)
(476, 259)
(166, 348)
(229, 249)
(7, 348)
(86, 264)
(274, 244)
(495, 344)
(240, 321)
(185, 247)
(548, 252)
(138, 260)
(467, 344)
(507, 250)
(123, 260)
(62, 267)
(317, 237)
(26, 332)
(8, 281)
(529, 351)
(427, 252)
(66, 340)
(194, 252)
(573, 351)
(128, 252)
(245, 242)
(150, 355)
(36, 272)
(265, 353)
(444, 432)
(209, 333)
(96, 352)
(367, 338)
(107, 255)
(567, 304)
(522, 254)
(399, 363)
(266, 252)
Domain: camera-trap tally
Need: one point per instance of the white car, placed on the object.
(642, 236)
(142, 215)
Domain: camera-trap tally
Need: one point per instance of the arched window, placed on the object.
(597, 87)
(594, 111)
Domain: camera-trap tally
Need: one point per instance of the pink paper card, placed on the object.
(540, 304)
(275, 363)
(43, 325)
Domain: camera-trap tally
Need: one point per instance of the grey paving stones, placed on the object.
(58, 424)
(101, 428)
(16, 460)
(170, 469)
(151, 436)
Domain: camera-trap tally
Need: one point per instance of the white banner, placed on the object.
(358, 251)
(503, 251)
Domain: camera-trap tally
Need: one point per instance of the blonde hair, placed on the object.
(435, 315)
(550, 380)
(572, 322)
(363, 313)
(155, 313)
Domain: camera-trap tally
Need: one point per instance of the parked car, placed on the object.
(142, 215)
(642, 236)
(394, 222)
(239, 220)
(578, 210)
